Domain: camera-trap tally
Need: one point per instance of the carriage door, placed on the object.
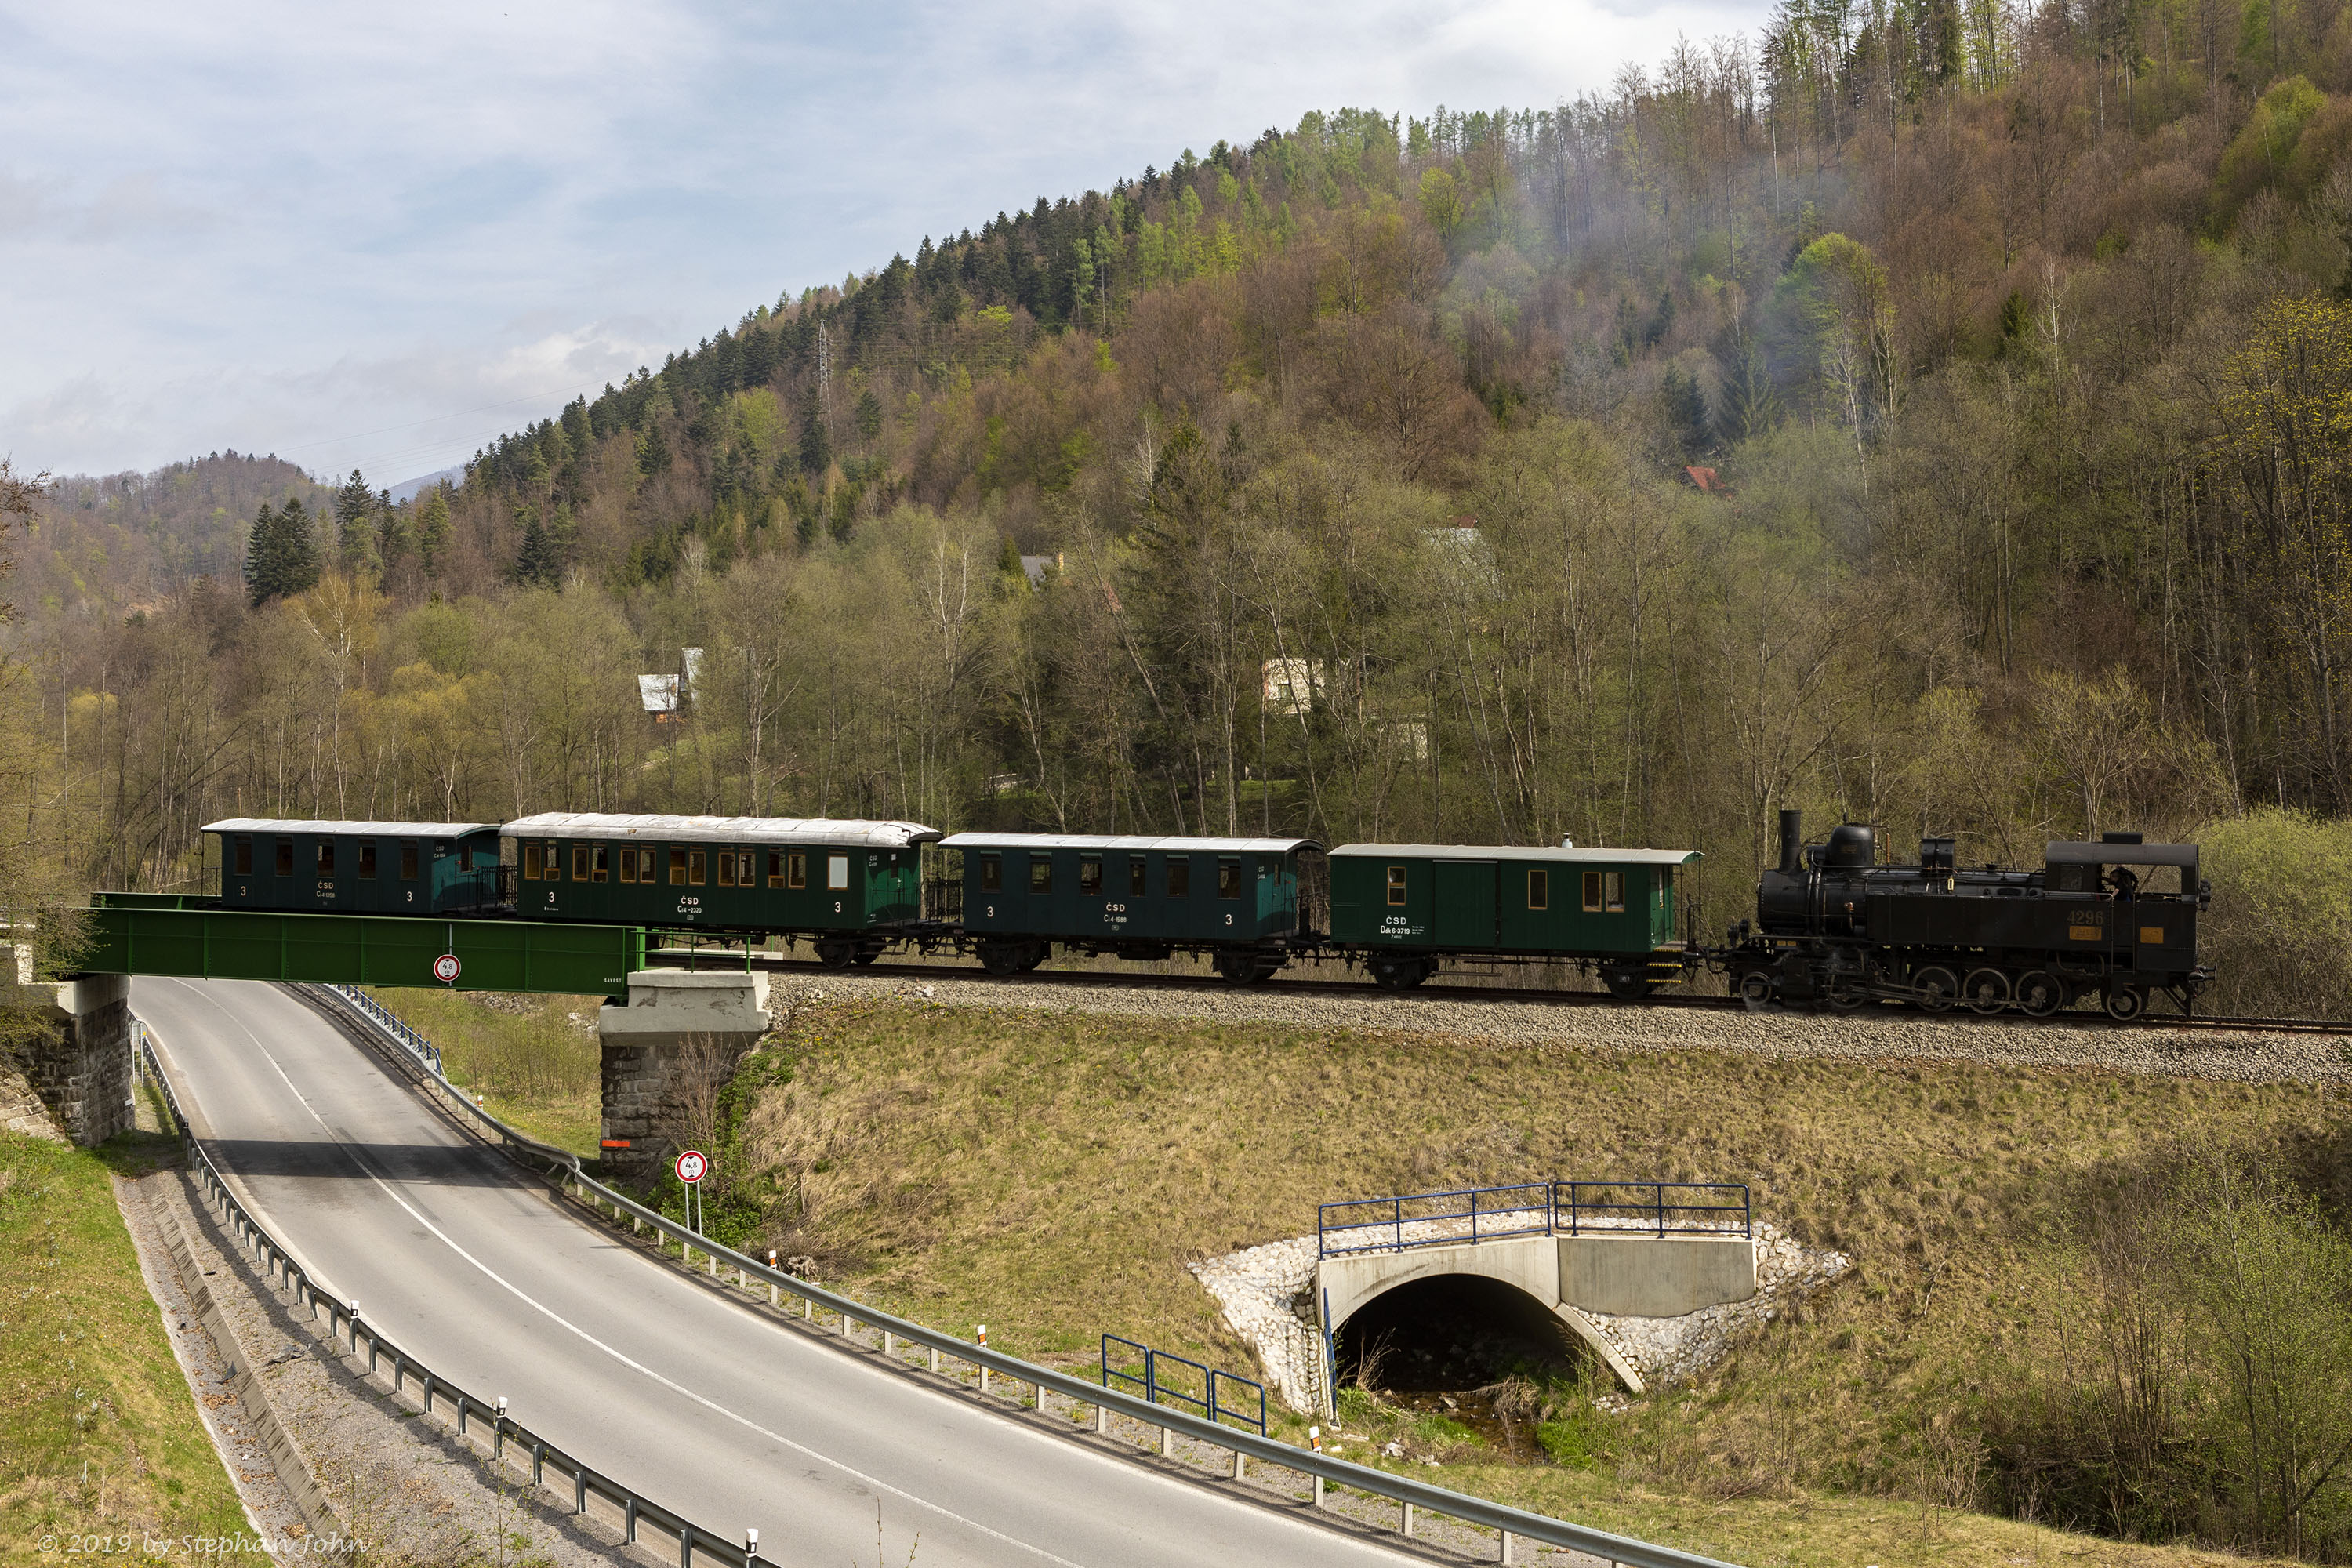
(1466, 907)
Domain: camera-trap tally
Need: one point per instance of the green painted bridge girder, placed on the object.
(160, 935)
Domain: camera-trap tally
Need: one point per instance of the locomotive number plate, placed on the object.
(2085, 933)
(2152, 935)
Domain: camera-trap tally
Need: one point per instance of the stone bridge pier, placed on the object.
(70, 1063)
(1624, 1274)
(679, 1034)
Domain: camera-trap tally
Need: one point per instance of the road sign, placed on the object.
(692, 1166)
(445, 969)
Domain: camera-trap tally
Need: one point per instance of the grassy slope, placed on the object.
(1050, 1174)
(534, 1068)
(97, 1431)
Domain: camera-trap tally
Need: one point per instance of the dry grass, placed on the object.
(1051, 1175)
(528, 1057)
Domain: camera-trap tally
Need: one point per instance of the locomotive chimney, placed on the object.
(1792, 851)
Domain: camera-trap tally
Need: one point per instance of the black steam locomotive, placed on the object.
(1837, 926)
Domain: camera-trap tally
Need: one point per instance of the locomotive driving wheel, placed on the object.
(2126, 1002)
(2039, 992)
(1938, 987)
(1756, 990)
(1985, 991)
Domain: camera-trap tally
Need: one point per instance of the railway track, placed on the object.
(1356, 989)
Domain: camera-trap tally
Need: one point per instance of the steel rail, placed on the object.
(1510, 1523)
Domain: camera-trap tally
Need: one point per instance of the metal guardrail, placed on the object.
(1415, 1497)
(1210, 1401)
(1472, 1214)
(347, 1329)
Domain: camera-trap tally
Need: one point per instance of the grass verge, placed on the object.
(528, 1057)
(99, 1432)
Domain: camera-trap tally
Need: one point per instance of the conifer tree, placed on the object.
(816, 446)
(355, 525)
(869, 415)
(434, 533)
(281, 556)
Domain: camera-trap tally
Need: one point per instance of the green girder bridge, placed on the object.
(171, 933)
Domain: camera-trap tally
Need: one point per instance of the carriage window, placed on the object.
(1229, 878)
(628, 864)
(530, 862)
(1538, 890)
(727, 867)
(1614, 882)
(837, 872)
(326, 857)
(798, 876)
(1593, 892)
(697, 866)
(285, 861)
(747, 868)
(602, 866)
(1041, 874)
(644, 865)
(245, 856)
(367, 857)
(677, 868)
(1665, 883)
(1135, 875)
(580, 856)
(1090, 874)
(991, 873)
(408, 862)
(1180, 876)
(775, 868)
(1396, 886)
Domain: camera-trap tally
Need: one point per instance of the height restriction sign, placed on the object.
(445, 968)
(692, 1166)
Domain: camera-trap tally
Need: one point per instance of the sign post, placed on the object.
(692, 1165)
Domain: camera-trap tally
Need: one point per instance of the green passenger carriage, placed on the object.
(1398, 907)
(1133, 897)
(358, 868)
(849, 886)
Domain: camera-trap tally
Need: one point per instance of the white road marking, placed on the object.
(1322, 1535)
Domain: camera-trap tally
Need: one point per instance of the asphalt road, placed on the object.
(701, 1405)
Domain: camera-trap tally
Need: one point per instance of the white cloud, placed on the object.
(278, 226)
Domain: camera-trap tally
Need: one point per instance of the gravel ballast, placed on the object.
(1888, 1033)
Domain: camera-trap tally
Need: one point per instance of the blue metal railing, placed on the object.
(1468, 1215)
(392, 1021)
(1210, 1401)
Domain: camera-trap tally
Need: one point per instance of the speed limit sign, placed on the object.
(692, 1166)
(445, 969)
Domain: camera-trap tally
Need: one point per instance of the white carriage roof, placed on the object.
(1551, 853)
(722, 829)
(348, 829)
(1128, 841)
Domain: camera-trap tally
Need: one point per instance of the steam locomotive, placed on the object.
(1834, 926)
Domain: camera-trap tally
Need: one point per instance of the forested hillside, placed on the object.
(1931, 415)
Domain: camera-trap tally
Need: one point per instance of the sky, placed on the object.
(376, 236)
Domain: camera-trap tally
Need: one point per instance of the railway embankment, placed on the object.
(1870, 1035)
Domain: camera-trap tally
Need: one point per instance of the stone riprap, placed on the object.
(1266, 1295)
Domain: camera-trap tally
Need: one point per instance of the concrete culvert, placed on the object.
(1447, 1343)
